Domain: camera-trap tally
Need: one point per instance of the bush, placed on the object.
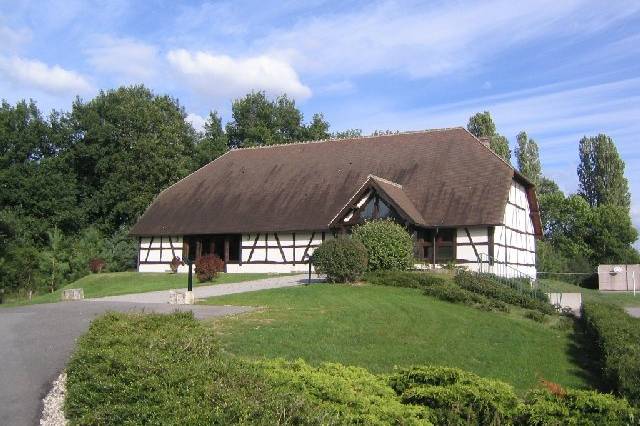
(389, 245)
(450, 292)
(617, 337)
(176, 262)
(208, 267)
(537, 316)
(455, 396)
(355, 395)
(96, 265)
(404, 279)
(574, 407)
(341, 260)
(493, 289)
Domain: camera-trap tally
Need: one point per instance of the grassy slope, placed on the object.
(382, 327)
(115, 283)
(619, 298)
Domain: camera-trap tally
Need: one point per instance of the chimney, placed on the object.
(485, 140)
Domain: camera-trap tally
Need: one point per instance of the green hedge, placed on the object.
(341, 260)
(575, 407)
(389, 245)
(404, 279)
(456, 396)
(450, 292)
(617, 337)
(494, 289)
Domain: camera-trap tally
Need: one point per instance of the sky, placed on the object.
(558, 70)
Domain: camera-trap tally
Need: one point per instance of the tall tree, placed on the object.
(601, 173)
(481, 125)
(528, 158)
(212, 142)
(318, 129)
(129, 145)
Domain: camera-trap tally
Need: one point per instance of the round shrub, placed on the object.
(207, 267)
(341, 260)
(388, 244)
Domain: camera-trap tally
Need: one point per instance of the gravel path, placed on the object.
(203, 292)
(53, 403)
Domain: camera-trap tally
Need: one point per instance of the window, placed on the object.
(445, 247)
(377, 208)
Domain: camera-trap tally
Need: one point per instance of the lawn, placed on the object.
(380, 327)
(116, 283)
(620, 298)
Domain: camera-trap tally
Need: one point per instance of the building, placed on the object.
(266, 209)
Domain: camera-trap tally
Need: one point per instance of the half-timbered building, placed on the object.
(266, 209)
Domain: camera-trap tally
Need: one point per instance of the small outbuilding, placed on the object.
(266, 209)
(619, 277)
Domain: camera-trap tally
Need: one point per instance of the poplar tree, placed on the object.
(528, 157)
(601, 173)
(481, 125)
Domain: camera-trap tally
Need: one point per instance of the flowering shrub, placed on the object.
(208, 267)
(96, 265)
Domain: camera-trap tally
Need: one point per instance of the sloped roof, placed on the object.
(447, 175)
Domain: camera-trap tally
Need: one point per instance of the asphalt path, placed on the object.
(36, 342)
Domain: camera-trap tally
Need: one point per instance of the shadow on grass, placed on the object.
(584, 353)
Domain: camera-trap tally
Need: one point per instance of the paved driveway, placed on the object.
(203, 292)
(37, 340)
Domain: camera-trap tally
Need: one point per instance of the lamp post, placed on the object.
(190, 279)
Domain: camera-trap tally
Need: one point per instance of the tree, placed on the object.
(601, 173)
(481, 125)
(213, 142)
(547, 186)
(129, 144)
(258, 121)
(347, 134)
(612, 235)
(528, 158)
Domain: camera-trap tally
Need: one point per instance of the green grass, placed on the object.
(116, 283)
(380, 327)
(620, 298)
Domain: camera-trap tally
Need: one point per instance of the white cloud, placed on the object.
(435, 38)
(197, 121)
(34, 74)
(128, 58)
(222, 75)
(11, 39)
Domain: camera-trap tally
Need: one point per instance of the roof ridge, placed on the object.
(317, 141)
(371, 176)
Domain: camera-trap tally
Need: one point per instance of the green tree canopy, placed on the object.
(601, 173)
(257, 120)
(213, 142)
(481, 125)
(129, 144)
(528, 158)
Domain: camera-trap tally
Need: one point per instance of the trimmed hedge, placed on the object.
(341, 260)
(575, 407)
(456, 396)
(493, 289)
(617, 338)
(450, 292)
(353, 394)
(389, 245)
(403, 279)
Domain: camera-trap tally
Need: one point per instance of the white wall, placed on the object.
(515, 244)
(158, 249)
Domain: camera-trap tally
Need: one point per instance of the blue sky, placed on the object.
(556, 69)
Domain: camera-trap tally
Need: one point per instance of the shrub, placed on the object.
(96, 265)
(574, 407)
(491, 288)
(208, 267)
(450, 292)
(176, 262)
(404, 279)
(389, 245)
(341, 260)
(456, 396)
(537, 316)
(354, 394)
(617, 338)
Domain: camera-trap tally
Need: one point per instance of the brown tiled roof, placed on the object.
(447, 175)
